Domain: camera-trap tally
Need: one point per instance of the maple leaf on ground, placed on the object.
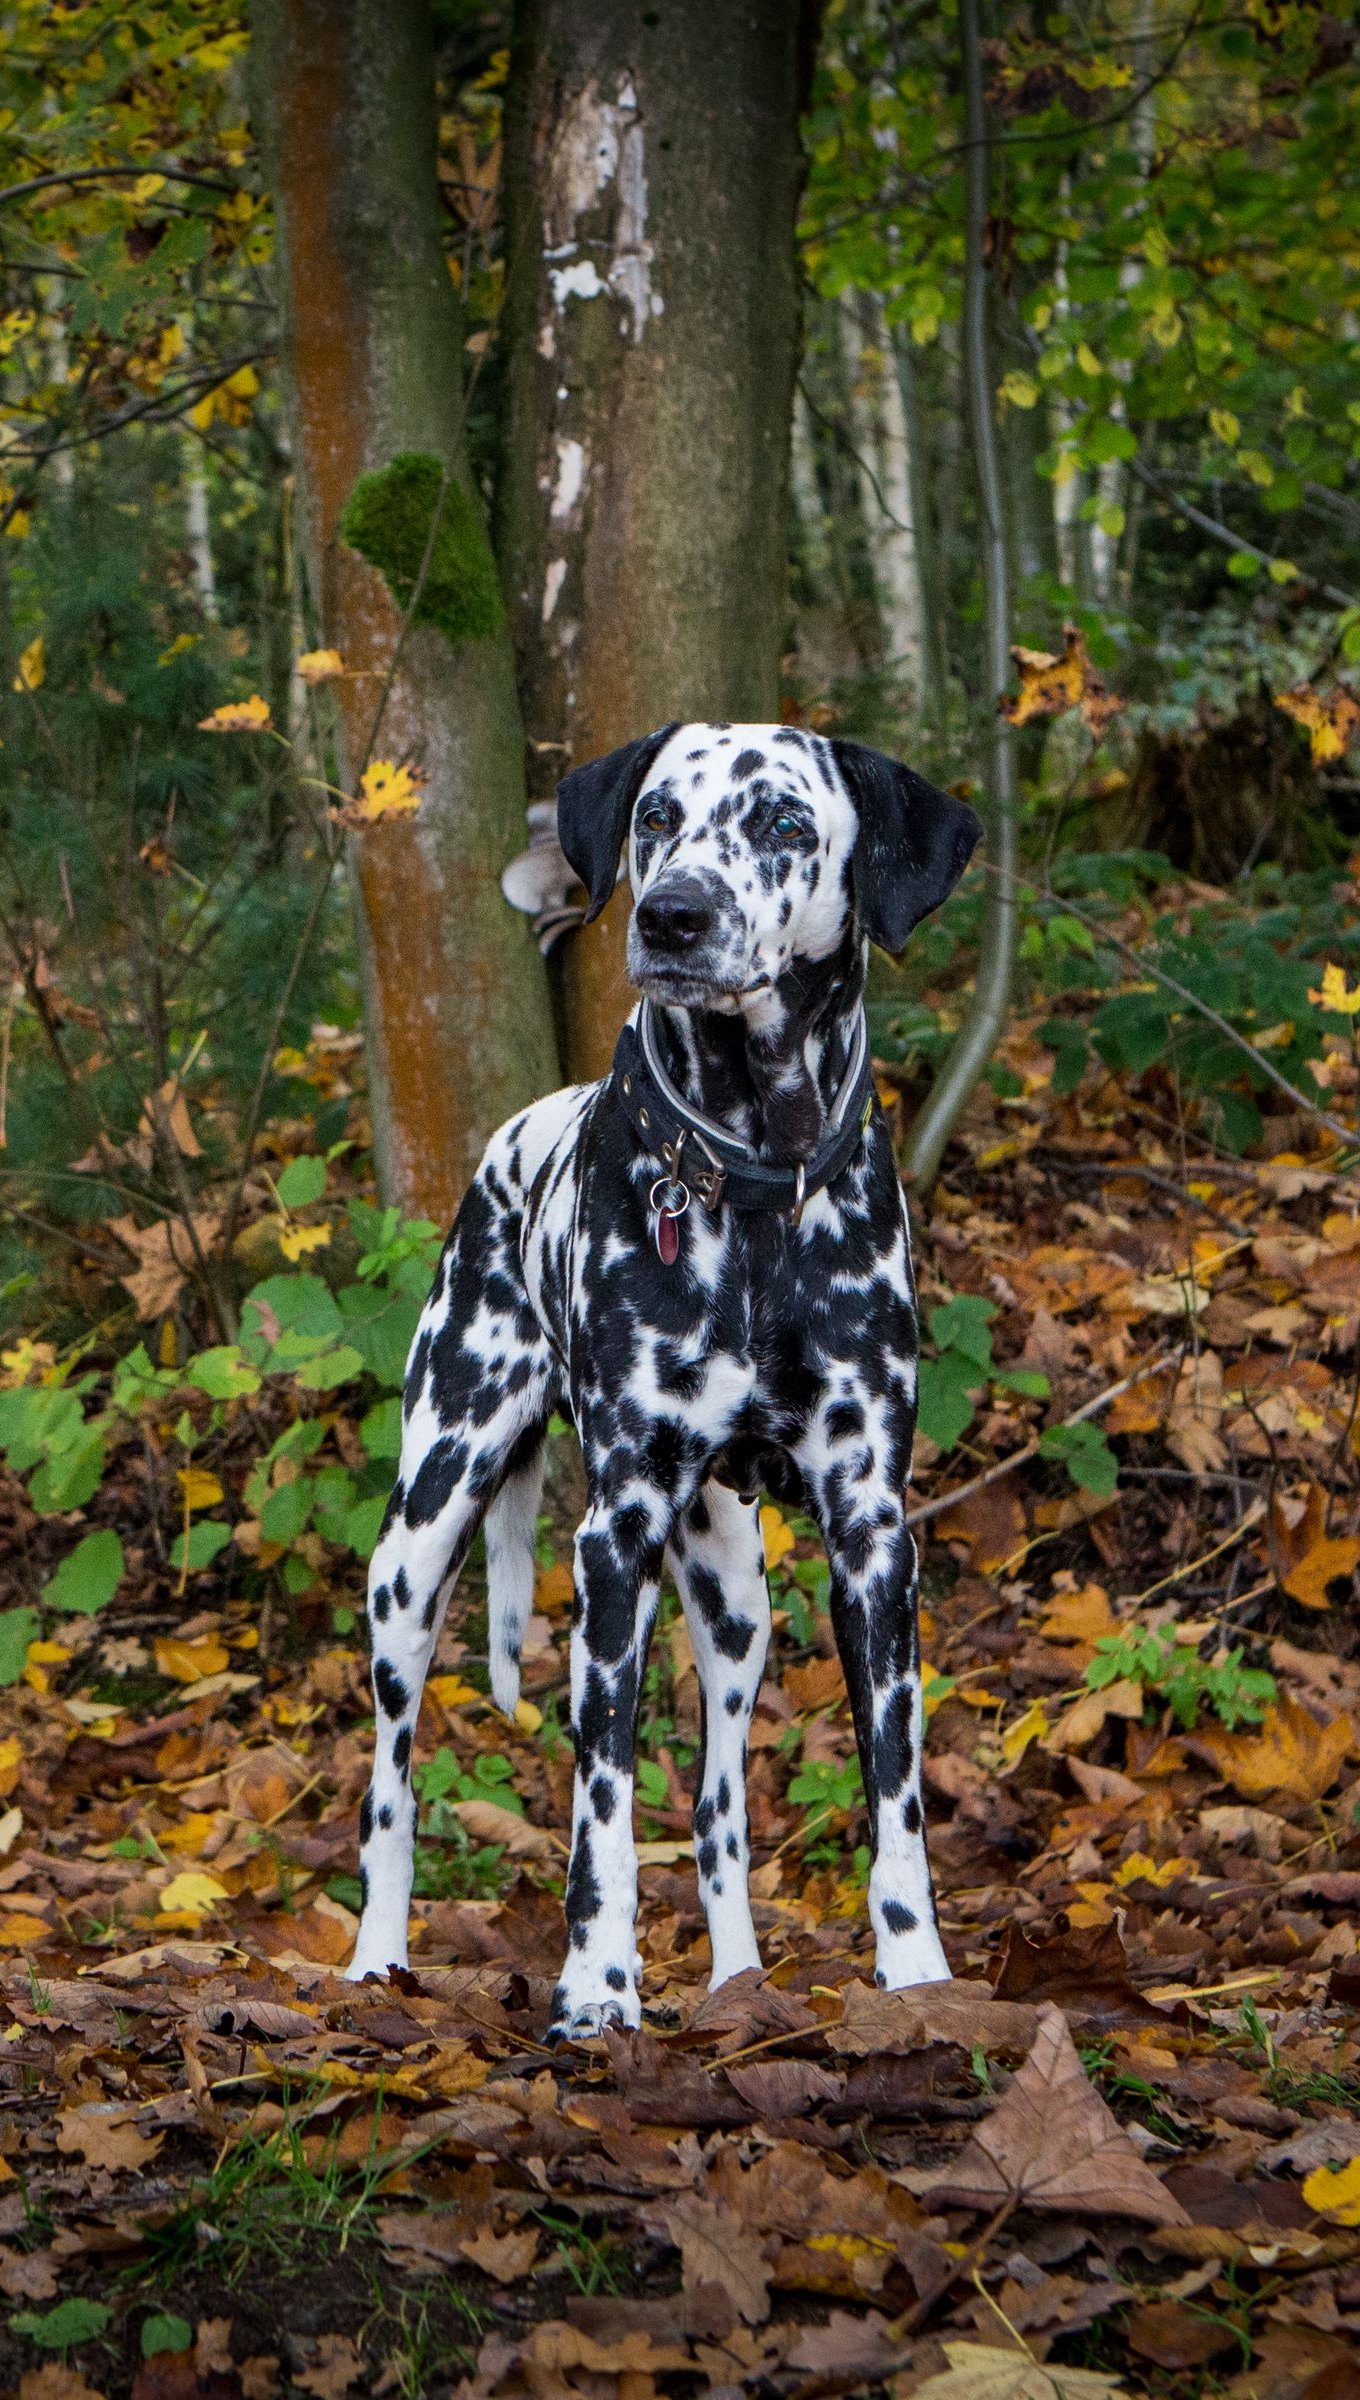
(1052, 2143)
(164, 1255)
(505, 2257)
(1291, 1753)
(336, 2369)
(965, 2014)
(717, 2248)
(1331, 724)
(1310, 1557)
(1085, 1971)
(979, 2371)
(237, 716)
(1050, 684)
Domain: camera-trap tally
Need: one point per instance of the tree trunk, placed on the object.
(456, 1008)
(878, 422)
(651, 334)
(985, 1017)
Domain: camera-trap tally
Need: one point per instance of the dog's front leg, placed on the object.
(616, 1595)
(718, 1561)
(873, 1609)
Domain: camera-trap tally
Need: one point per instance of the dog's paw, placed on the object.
(575, 2020)
(369, 1963)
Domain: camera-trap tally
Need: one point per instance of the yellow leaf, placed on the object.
(527, 1717)
(298, 1239)
(1139, 1868)
(1087, 360)
(190, 1834)
(197, 1488)
(189, 1662)
(452, 1692)
(1334, 995)
(237, 716)
(177, 648)
(32, 666)
(388, 790)
(1225, 425)
(1021, 391)
(1016, 1740)
(775, 1535)
(21, 1929)
(1335, 2192)
(1282, 570)
(11, 1756)
(38, 1657)
(146, 187)
(191, 1893)
(320, 666)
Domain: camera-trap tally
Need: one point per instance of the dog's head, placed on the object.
(752, 847)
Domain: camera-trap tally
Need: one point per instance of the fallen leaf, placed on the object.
(190, 1662)
(56, 2381)
(505, 2257)
(1311, 1558)
(296, 1240)
(1177, 2337)
(978, 2371)
(991, 1522)
(32, 667)
(1290, 1753)
(165, 1257)
(336, 2368)
(103, 2137)
(965, 2014)
(1335, 2192)
(487, 1821)
(1084, 1970)
(1052, 2143)
(776, 1535)
(191, 1893)
(198, 1489)
(27, 2274)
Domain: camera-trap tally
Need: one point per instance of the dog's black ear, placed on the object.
(594, 805)
(912, 846)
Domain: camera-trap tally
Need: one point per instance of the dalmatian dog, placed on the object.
(703, 1262)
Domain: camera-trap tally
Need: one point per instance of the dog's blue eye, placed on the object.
(653, 820)
(785, 824)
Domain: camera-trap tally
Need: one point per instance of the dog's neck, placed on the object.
(773, 1080)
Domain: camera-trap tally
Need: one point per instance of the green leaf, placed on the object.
(380, 1430)
(945, 1404)
(69, 1478)
(285, 1513)
(964, 1324)
(71, 2321)
(364, 1524)
(1085, 1453)
(332, 1368)
(18, 1627)
(1104, 438)
(222, 1373)
(165, 2333)
(204, 1541)
(88, 1576)
(1242, 564)
(1027, 1381)
(302, 1181)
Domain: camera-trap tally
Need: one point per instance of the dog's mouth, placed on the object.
(690, 986)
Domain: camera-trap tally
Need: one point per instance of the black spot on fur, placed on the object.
(393, 1697)
(385, 1817)
(401, 1751)
(366, 1818)
(616, 1979)
(898, 1918)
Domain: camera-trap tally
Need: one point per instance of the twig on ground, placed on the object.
(1030, 1449)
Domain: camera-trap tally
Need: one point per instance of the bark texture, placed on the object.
(456, 1010)
(652, 319)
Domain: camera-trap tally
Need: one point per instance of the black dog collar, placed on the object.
(697, 1154)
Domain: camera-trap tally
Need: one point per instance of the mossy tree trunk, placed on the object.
(651, 333)
(455, 997)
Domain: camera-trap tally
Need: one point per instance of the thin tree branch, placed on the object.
(1030, 1449)
(39, 183)
(1219, 532)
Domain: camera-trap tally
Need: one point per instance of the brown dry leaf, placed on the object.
(1291, 1753)
(1051, 684)
(716, 2247)
(980, 2371)
(991, 1522)
(26, 2274)
(505, 2257)
(1083, 1616)
(1196, 1414)
(1080, 1723)
(1177, 2337)
(1142, 1407)
(562, 2348)
(337, 2367)
(487, 1821)
(962, 2013)
(164, 1255)
(169, 1108)
(103, 2137)
(190, 1662)
(1053, 2144)
(56, 2381)
(1310, 1557)
(1331, 724)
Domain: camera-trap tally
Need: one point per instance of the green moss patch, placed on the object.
(387, 519)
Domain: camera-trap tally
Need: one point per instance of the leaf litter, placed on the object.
(1117, 2153)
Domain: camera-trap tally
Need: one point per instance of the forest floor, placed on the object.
(1120, 2152)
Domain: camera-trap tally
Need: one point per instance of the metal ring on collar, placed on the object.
(672, 1208)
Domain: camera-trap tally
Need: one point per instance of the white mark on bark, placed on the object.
(571, 476)
(580, 281)
(552, 585)
(601, 143)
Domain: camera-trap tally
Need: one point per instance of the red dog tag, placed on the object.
(667, 1237)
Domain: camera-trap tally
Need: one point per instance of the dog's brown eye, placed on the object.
(653, 820)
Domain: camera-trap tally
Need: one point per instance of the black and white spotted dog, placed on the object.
(704, 1261)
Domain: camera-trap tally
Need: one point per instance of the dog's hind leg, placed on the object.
(717, 1558)
(511, 1526)
(479, 1388)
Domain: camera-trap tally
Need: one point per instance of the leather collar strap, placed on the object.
(712, 1161)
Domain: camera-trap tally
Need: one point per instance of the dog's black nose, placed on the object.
(675, 914)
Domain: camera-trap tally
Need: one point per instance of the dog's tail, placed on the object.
(511, 1525)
